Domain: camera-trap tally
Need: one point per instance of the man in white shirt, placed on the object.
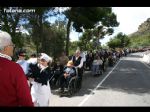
(22, 62)
(78, 63)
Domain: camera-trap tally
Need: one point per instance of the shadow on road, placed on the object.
(88, 84)
(129, 76)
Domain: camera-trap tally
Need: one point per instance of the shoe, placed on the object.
(65, 89)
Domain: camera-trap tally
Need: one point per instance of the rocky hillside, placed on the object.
(141, 38)
(143, 29)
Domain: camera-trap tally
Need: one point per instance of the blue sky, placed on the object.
(128, 17)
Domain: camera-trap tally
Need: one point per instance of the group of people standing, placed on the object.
(26, 82)
(100, 59)
(16, 77)
(37, 72)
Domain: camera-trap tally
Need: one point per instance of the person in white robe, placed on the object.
(40, 90)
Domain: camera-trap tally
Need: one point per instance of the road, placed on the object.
(125, 84)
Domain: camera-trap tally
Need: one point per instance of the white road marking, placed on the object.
(98, 85)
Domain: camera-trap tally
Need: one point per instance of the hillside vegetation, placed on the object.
(141, 38)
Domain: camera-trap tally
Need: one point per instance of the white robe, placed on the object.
(40, 94)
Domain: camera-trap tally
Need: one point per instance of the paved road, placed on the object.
(125, 84)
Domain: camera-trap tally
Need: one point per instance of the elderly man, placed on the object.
(14, 90)
(78, 63)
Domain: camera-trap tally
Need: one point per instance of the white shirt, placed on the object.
(83, 56)
(81, 63)
(5, 56)
(32, 60)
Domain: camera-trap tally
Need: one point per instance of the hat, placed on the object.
(46, 57)
(70, 63)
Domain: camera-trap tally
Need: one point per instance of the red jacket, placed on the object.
(14, 90)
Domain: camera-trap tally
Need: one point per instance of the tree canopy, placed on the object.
(100, 20)
(44, 36)
(120, 40)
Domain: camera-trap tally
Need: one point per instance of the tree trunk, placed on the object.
(5, 20)
(67, 39)
(41, 33)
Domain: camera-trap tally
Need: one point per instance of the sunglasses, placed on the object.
(22, 55)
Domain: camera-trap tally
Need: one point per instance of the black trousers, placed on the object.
(80, 76)
(64, 82)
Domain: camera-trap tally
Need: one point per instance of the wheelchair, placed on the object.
(73, 85)
(111, 61)
(54, 79)
(105, 65)
(98, 72)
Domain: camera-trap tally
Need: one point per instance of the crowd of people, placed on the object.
(27, 82)
(24, 82)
